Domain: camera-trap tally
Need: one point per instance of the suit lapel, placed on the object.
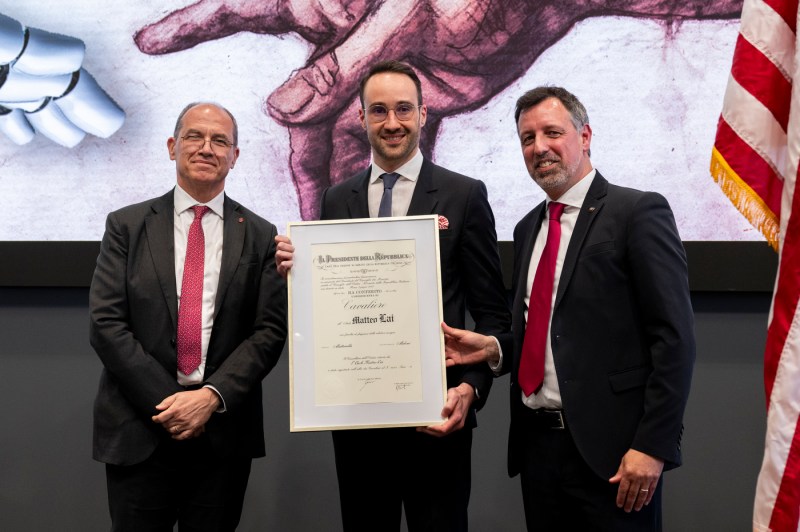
(423, 201)
(160, 227)
(521, 267)
(592, 205)
(233, 230)
(425, 198)
(526, 251)
(357, 205)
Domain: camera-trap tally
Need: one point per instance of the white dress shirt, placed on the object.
(212, 231)
(403, 188)
(549, 395)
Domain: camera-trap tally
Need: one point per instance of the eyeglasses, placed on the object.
(218, 144)
(379, 112)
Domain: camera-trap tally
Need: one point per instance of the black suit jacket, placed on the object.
(133, 322)
(470, 263)
(622, 329)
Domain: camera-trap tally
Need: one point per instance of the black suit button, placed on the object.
(172, 342)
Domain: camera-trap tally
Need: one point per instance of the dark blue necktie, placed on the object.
(389, 180)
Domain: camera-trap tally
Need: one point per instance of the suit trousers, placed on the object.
(561, 492)
(183, 482)
(381, 471)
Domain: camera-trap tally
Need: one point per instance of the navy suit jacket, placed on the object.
(133, 321)
(622, 329)
(470, 263)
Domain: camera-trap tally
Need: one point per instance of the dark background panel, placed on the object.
(713, 266)
(48, 480)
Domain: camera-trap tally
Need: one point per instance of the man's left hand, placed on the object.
(468, 347)
(184, 414)
(637, 477)
(459, 400)
(284, 255)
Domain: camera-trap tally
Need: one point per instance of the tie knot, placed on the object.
(556, 210)
(389, 180)
(200, 211)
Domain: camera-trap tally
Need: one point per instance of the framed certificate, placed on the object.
(365, 343)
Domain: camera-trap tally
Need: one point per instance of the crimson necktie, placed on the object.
(531, 366)
(190, 311)
(385, 208)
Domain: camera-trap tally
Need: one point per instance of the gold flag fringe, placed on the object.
(745, 199)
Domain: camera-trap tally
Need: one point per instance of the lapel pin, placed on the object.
(592, 209)
(241, 219)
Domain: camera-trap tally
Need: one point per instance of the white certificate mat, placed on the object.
(365, 309)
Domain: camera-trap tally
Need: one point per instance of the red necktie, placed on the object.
(531, 366)
(190, 311)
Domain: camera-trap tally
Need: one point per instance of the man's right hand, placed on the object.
(467, 347)
(185, 414)
(284, 255)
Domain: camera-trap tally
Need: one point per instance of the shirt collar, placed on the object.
(183, 201)
(577, 193)
(410, 170)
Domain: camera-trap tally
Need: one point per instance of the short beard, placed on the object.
(556, 181)
(411, 143)
(552, 182)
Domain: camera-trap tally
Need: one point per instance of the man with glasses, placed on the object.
(425, 470)
(187, 315)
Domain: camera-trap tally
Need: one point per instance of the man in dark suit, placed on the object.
(187, 315)
(426, 470)
(593, 431)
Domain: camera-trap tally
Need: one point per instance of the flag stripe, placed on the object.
(784, 303)
(755, 125)
(755, 157)
(760, 77)
(784, 308)
(787, 9)
(769, 31)
(750, 167)
(786, 511)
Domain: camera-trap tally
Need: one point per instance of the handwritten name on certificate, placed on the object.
(366, 323)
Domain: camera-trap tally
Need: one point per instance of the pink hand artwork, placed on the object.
(465, 52)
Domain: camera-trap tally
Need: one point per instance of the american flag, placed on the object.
(755, 161)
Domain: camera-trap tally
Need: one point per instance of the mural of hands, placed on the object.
(466, 52)
(44, 89)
